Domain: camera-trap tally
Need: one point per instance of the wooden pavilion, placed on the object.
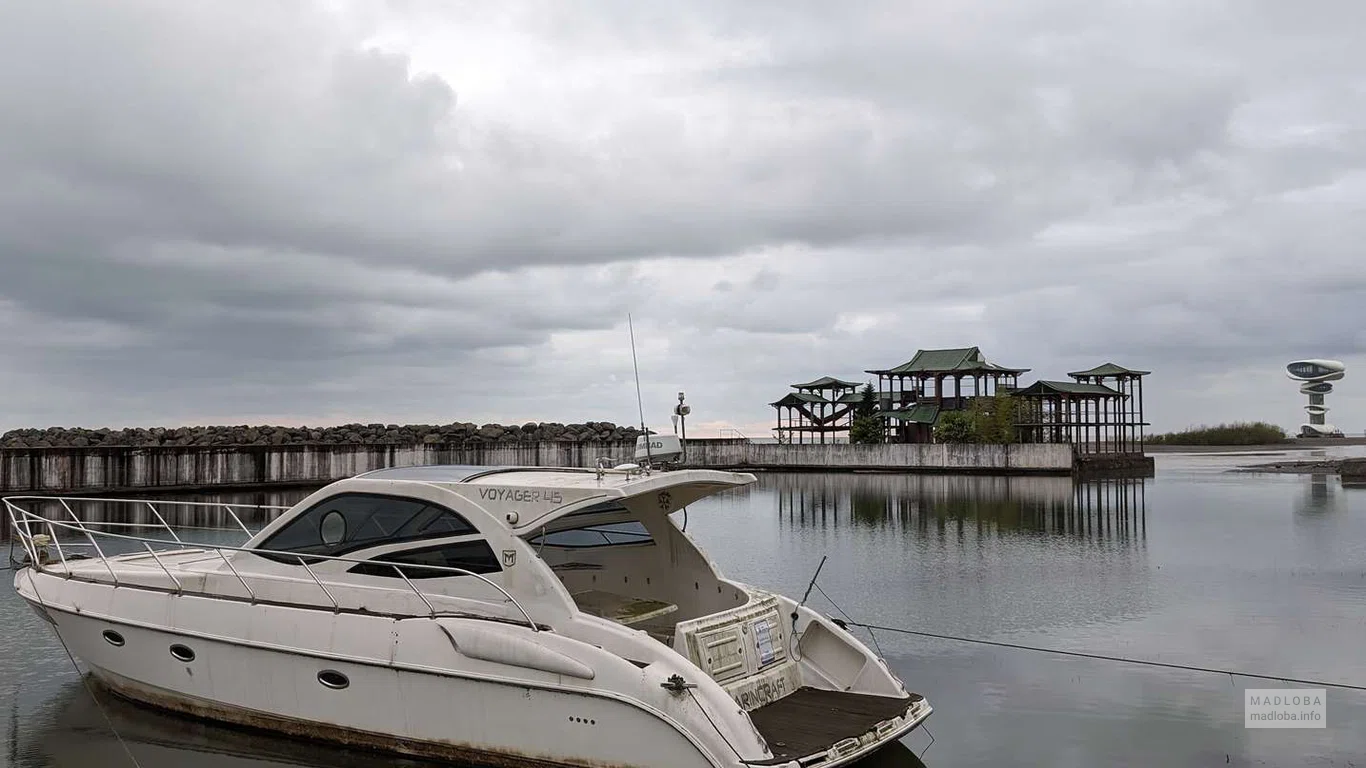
(1087, 412)
(1100, 411)
(913, 395)
(822, 409)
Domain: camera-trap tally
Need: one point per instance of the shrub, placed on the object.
(955, 427)
(1237, 433)
(986, 420)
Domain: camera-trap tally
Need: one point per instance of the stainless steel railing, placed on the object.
(24, 521)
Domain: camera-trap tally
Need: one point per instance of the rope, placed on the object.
(1079, 654)
(719, 732)
(1103, 657)
(84, 680)
(850, 620)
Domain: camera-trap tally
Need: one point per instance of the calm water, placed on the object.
(1256, 573)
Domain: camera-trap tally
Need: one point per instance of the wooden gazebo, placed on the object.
(817, 409)
(1082, 414)
(914, 394)
(1123, 430)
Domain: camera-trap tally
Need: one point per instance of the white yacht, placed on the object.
(508, 616)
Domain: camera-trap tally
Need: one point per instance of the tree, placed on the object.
(955, 427)
(867, 426)
(994, 418)
(867, 404)
(988, 420)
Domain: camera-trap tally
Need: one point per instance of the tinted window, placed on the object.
(604, 535)
(599, 508)
(474, 556)
(354, 521)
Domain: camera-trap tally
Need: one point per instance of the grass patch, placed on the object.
(1238, 433)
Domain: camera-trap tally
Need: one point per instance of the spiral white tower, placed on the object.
(1316, 377)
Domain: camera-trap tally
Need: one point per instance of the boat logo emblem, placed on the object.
(509, 557)
(665, 500)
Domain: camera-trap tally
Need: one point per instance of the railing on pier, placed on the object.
(731, 433)
(24, 522)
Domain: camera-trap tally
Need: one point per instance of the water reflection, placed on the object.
(1319, 497)
(1112, 510)
(1000, 555)
(71, 731)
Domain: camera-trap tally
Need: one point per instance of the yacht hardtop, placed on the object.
(523, 615)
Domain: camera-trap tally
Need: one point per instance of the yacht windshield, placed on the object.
(352, 521)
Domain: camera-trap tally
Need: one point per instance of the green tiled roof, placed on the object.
(799, 398)
(853, 397)
(827, 382)
(939, 360)
(1065, 388)
(921, 413)
(965, 359)
(1110, 369)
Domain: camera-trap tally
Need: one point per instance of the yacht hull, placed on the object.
(438, 714)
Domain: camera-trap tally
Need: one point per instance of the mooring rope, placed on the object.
(84, 680)
(1231, 673)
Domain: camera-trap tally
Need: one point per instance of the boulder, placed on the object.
(455, 433)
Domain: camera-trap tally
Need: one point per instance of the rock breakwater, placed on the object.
(457, 433)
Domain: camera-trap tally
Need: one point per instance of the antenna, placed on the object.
(639, 403)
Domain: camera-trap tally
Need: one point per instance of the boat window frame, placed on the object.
(288, 557)
(646, 539)
(422, 570)
(573, 521)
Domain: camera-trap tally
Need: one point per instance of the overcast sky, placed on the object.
(312, 213)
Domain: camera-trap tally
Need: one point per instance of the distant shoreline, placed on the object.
(1294, 445)
(1350, 469)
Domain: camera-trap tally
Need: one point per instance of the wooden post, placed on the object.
(1141, 416)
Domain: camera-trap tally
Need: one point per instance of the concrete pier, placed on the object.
(1050, 458)
(112, 469)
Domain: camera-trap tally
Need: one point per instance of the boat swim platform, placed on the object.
(811, 720)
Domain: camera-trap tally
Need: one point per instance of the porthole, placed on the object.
(112, 637)
(182, 653)
(332, 529)
(333, 679)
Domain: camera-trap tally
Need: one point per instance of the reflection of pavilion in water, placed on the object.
(1103, 509)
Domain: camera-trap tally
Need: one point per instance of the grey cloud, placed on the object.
(215, 210)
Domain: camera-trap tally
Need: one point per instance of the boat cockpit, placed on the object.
(619, 558)
(640, 571)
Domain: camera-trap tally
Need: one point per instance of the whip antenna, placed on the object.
(639, 403)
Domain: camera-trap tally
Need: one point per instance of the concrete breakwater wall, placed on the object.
(121, 469)
(174, 467)
(905, 457)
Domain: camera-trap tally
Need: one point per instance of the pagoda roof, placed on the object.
(798, 398)
(828, 382)
(1109, 369)
(1040, 388)
(920, 413)
(957, 360)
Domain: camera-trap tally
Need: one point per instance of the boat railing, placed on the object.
(24, 521)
